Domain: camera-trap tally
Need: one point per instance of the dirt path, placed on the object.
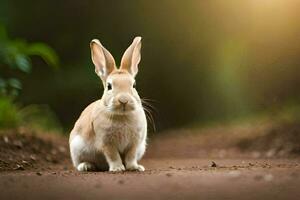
(178, 166)
(163, 179)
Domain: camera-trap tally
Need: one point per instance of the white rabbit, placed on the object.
(111, 132)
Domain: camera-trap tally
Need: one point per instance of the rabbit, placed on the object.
(111, 133)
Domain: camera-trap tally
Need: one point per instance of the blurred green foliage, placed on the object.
(15, 54)
(40, 117)
(33, 117)
(9, 115)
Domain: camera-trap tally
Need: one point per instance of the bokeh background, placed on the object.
(202, 61)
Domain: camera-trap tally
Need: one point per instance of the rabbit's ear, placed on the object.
(102, 59)
(132, 56)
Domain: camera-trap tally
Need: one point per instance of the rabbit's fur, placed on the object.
(111, 132)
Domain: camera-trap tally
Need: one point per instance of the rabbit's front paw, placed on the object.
(85, 166)
(136, 167)
(117, 168)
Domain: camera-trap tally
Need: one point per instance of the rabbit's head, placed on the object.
(120, 96)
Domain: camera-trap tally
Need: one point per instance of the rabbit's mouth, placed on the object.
(121, 109)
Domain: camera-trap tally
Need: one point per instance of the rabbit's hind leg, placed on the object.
(83, 154)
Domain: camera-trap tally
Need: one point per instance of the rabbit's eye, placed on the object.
(134, 85)
(109, 87)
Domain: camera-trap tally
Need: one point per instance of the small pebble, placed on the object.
(19, 167)
(6, 140)
(213, 164)
(39, 173)
(32, 157)
(25, 162)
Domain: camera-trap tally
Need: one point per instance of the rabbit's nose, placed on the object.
(123, 100)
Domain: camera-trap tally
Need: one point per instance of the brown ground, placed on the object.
(218, 163)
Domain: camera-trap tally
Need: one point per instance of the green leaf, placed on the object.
(23, 63)
(15, 83)
(16, 54)
(44, 51)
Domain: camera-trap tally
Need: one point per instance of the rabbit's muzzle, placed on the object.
(124, 102)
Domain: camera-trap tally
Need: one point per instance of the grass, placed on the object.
(34, 117)
(9, 113)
